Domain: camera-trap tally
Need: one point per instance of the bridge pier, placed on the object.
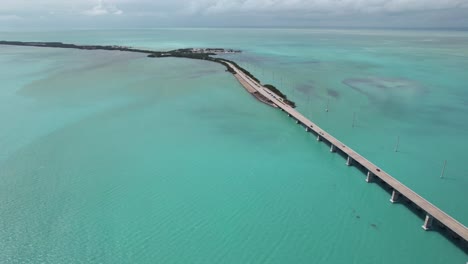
(428, 222)
(434, 216)
(369, 177)
(307, 129)
(297, 122)
(395, 196)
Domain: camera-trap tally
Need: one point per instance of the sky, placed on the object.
(67, 14)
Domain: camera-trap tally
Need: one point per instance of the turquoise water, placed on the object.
(110, 157)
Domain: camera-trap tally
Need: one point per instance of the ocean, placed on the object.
(112, 157)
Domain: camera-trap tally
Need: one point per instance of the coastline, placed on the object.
(254, 93)
(188, 53)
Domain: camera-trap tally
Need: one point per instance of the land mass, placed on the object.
(190, 53)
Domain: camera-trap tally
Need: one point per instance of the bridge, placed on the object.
(399, 190)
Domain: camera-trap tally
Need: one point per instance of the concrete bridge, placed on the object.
(399, 190)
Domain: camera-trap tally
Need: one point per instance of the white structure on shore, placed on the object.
(214, 50)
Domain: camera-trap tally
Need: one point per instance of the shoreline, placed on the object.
(188, 53)
(254, 93)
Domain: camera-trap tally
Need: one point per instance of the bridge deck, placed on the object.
(425, 205)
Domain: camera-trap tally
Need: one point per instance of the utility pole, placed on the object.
(443, 169)
(397, 144)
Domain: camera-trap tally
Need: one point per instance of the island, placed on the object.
(189, 53)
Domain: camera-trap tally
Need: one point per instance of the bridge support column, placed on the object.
(369, 177)
(332, 148)
(289, 115)
(428, 222)
(395, 196)
(307, 129)
(349, 161)
(297, 122)
(319, 138)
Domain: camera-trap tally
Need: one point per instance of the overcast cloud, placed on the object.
(253, 13)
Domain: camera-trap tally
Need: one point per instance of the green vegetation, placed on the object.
(179, 53)
(229, 69)
(280, 94)
(188, 53)
(246, 72)
(182, 53)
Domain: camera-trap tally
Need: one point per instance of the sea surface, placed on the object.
(112, 157)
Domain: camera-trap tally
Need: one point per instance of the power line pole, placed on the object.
(397, 144)
(443, 169)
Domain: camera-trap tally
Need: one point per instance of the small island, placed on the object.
(189, 53)
(214, 50)
(207, 55)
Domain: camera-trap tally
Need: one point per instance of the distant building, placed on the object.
(214, 50)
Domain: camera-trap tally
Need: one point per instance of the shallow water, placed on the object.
(111, 157)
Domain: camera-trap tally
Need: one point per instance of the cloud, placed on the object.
(327, 6)
(103, 8)
(251, 13)
(207, 7)
(9, 17)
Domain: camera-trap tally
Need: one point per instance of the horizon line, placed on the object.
(24, 29)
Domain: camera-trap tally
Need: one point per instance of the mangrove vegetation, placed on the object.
(188, 53)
